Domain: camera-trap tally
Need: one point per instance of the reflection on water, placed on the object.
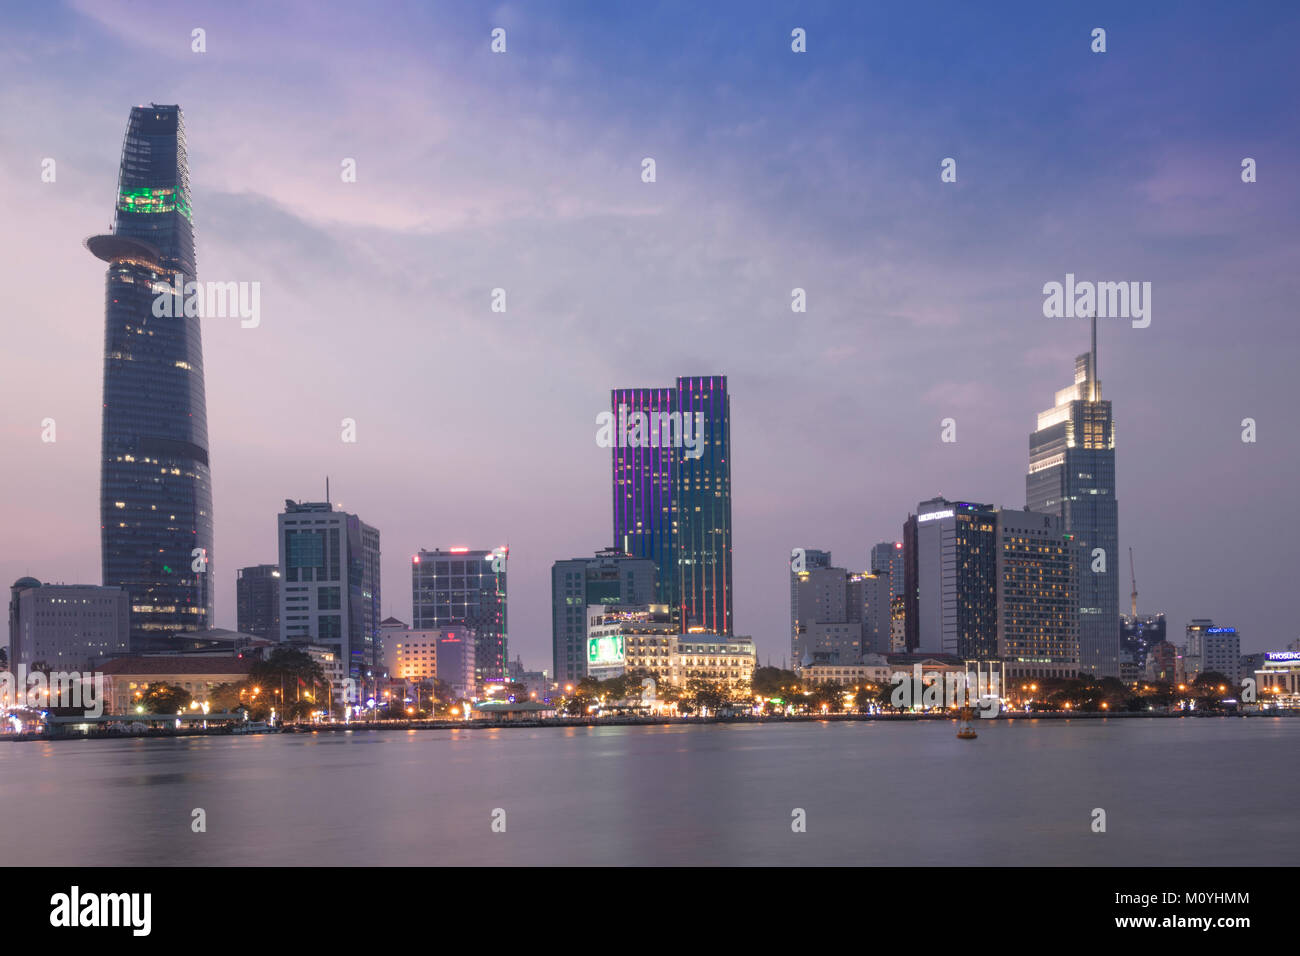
(1211, 791)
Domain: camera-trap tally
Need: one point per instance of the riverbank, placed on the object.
(493, 724)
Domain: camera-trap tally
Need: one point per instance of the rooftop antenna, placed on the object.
(1133, 575)
(1092, 361)
(327, 489)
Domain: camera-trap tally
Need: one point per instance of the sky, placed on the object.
(775, 170)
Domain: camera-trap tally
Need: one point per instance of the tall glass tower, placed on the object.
(155, 486)
(1072, 475)
(672, 503)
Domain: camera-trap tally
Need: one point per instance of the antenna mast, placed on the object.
(1133, 575)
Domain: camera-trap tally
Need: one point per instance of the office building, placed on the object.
(671, 466)
(802, 560)
(609, 578)
(1212, 648)
(457, 662)
(155, 483)
(330, 585)
(950, 564)
(828, 614)
(66, 626)
(887, 560)
(1139, 634)
(257, 600)
(1037, 598)
(1072, 475)
(463, 588)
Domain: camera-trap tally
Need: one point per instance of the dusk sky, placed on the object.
(775, 170)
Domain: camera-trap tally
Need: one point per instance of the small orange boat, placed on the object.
(965, 724)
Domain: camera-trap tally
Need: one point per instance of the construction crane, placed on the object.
(1133, 575)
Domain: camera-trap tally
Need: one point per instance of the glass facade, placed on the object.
(155, 487)
(672, 503)
(450, 588)
(1072, 475)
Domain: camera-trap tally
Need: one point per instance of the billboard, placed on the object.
(605, 650)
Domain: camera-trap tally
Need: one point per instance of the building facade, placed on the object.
(1037, 597)
(950, 559)
(66, 626)
(671, 480)
(155, 482)
(1072, 475)
(464, 588)
(610, 578)
(330, 584)
(257, 600)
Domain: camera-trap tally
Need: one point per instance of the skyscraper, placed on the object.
(1072, 475)
(329, 584)
(155, 486)
(951, 563)
(464, 587)
(257, 600)
(1037, 597)
(672, 493)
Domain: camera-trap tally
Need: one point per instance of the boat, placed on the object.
(965, 724)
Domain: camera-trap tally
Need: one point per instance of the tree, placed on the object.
(224, 698)
(288, 676)
(163, 698)
(775, 682)
(829, 696)
(705, 694)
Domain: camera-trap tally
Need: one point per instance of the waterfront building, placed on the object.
(809, 559)
(610, 578)
(1277, 683)
(155, 482)
(950, 559)
(127, 679)
(330, 585)
(1037, 598)
(257, 600)
(466, 589)
(66, 626)
(1072, 475)
(671, 465)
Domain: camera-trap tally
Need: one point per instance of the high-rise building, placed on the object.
(66, 626)
(155, 484)
(460, 587)
(1072, 475)
(950, 557)
(837, 615)
(887, 559)
(257, 600)
(1037, 597)
(329, 584)
(672, 493)
(609, 578)
(1139, 635)
(1212, 648)
(801, 560)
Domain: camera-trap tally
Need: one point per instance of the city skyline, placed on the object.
(837, 414)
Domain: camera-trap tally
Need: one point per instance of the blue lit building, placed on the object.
(672, 499)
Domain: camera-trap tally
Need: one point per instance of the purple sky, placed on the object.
(775, 170)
